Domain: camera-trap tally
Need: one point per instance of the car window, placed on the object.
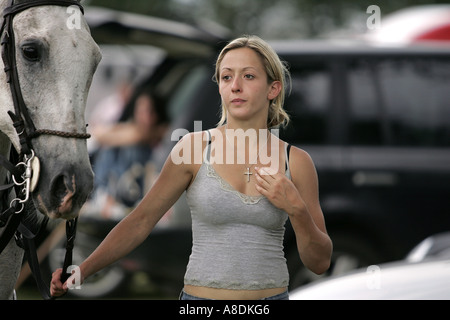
(401, 102)
(307, 105)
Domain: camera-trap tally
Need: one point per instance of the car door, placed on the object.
(399, 144)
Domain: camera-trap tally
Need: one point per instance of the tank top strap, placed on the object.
(207, 155)
(287, 150)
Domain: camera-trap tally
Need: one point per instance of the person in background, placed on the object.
(109, 110)
(124, 150)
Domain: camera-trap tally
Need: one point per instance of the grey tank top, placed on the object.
(237, 239)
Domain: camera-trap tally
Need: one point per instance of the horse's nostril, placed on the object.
(63, 192)
(59, 188)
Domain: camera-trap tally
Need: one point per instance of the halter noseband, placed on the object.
(21, 119)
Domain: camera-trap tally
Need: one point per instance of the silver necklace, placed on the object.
(248, 167)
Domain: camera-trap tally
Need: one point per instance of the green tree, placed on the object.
(268, 18)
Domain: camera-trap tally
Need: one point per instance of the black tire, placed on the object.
(104, 283)
(349, 253)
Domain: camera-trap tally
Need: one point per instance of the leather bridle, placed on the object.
(21, 119)
(26, 131)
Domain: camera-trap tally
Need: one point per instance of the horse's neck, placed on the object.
(12, 255)
(5, 146)
(4, 151)
(3, 4)
(5, 143)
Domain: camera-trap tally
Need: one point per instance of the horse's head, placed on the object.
(56, 58)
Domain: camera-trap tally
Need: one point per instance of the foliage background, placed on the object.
(267, 18)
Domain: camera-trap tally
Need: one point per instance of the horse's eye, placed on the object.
(31, 52)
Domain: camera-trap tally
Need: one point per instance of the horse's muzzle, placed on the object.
(67, 193)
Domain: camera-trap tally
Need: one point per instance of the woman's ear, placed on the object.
(275, 89)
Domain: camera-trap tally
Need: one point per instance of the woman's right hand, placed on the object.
(57, 288)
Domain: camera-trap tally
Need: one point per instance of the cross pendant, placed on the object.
(248, 174)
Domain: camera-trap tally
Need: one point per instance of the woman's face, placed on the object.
(144, 113)
(243, 85)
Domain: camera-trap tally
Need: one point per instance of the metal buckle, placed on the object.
(26, 176)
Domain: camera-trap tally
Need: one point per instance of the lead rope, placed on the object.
(71, 230)
(27, 241)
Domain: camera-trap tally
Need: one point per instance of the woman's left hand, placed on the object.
(278, 189)
(299, 199)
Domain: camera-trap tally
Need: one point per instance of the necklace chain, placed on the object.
(247, 172)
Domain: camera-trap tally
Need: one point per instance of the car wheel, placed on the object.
(104, 283)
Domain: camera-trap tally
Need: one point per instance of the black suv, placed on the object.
(375, 120)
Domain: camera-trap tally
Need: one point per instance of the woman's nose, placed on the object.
(236, 86)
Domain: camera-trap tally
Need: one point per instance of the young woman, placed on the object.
(241, 192)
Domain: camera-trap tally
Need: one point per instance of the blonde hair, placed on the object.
(275, 69)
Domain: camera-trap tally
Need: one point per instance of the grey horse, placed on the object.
(56, 58)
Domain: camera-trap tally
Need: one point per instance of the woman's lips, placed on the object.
(238, 101)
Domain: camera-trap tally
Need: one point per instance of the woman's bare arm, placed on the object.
(135, 228)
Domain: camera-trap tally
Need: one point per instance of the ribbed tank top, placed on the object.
(237, 239)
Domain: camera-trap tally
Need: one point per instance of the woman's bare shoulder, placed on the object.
(301, 164)
(189, 149)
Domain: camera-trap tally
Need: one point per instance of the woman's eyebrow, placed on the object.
(243, 69)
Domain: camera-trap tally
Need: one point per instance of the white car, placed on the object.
(423, 275)
(413, 24)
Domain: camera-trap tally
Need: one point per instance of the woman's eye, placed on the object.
(249, 76)
(226, 78)
(31, 53)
